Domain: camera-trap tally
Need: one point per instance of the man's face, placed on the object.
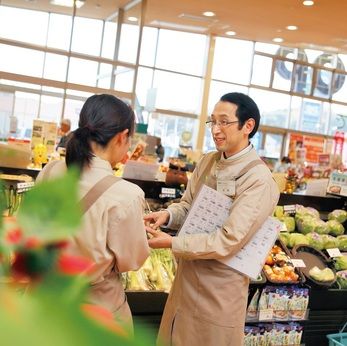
(227, 134)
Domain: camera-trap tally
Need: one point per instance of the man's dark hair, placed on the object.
(246, 109)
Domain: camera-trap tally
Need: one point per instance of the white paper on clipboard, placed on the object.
(207, 215)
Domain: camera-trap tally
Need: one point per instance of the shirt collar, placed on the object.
(240, 153)
(97, 162)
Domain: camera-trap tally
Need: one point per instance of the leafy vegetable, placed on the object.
(322, 275)
(338, 215)
(335, 228)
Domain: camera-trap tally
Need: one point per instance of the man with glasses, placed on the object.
(208, 300)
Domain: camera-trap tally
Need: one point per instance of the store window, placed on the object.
(13, 58)
(6, 111)
(273, 145)
(178, 92)
(109, 40)
(181, 52)
(232, 60)
(50, 108)
(261, 72)
(124, 79)
(302, 79)
(274, 107)
(128, 43)
(149, 46)
(23, 25)
(83, 72)
(171, 129)
(59, 31)
(338, 119)
(144, 83)
(55, 67)
(340, 87)
(104, 76)
(295, 111)
(266, 48)
(311, 116)
(323, 83)
(72, 111)
(87, 28)
(282, 75)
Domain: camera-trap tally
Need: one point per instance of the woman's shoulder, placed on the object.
(52, 170)
(128, 189)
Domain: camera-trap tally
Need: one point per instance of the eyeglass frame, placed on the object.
(212, 123)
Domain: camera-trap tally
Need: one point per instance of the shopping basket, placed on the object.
(338, 339)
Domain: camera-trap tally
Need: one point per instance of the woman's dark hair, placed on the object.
(101, 118)
(246, 109)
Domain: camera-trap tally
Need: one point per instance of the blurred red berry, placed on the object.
(14, 236)
(32, 243)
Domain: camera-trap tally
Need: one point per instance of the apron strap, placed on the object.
(249, 166)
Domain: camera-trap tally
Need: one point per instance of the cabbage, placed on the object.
(279, 212)
(312, 211)
(338, 215)
(340, 263)
(284, 238)
(341, 278)
(342, 242)
(315, 240)
(329, 241)
(320, 227)
(297, 239)
(321, 275)
(307, 224)
(335, 228)
(289, 221)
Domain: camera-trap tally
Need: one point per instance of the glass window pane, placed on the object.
(6, 111)
(313, 56)
(232, 60)
(295, 110)
(51, 108)
(339, 92)
(59, 31)
(144, 83)
(13, 58)
(109, 40)
(178, 92)
(257, 141)
(128, 43)
(148, 46)
(273, 145)
(338, 119)
(218, 89)
(55, 67)
(20, 84)
(261, 73)
(181, 51)
(104, 76)
(83, 72)
(311, 113)
(266, 48)
(274, 107)
(303, 79)
(23, 25)
(282, 75)
(170, 129)
(323, 83)
(72, 111)
(87, 36)
(124, 79)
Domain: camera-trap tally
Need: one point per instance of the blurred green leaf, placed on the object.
(2, 204)
(51, 210)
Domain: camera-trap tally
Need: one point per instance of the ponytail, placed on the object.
(78, 151)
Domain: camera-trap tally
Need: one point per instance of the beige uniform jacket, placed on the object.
(207, 303)
(112, 235)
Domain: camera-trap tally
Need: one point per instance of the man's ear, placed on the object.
(249, 126)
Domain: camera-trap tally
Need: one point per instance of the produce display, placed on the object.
(157, 273)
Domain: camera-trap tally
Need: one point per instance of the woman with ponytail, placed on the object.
(112, 233)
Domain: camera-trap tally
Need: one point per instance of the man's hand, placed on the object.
(159, 239)
(156, 219)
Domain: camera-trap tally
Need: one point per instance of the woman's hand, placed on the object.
(156, 219)
(158, 239)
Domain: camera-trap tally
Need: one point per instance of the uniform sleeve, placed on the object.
(248, 213)
(126, 236)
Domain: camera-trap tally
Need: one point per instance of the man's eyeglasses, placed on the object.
(220, 123)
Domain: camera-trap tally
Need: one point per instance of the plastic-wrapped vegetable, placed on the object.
(340, 263)
(335, 228)
(341, 278)
(329, 241)
(315, 240)
(322, 275)
(279, 212)
(297, 239)
(307, 224)
(284, 238)
(289, 221)
(338, 215)
(313, 212)
(320, 227)
(342, 242)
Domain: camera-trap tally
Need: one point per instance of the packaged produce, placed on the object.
(306, 224)
(315, 240)
(335, 228)
(338, 215)
(320, 227)
(289, 221)
(341, 278)
(297, 239)
(322, 275)
(342, 239)
(253, 306)
(340, 263)
(329, 241)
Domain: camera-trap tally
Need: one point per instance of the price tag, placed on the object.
(266, 315)
(298, 263)
(167, 192)
(334, 252)
(289, 209)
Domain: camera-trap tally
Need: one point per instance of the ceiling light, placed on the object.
(308, 3)
(230, 33)
(292, 27)
(209, 14)
(68, 3)
(278, 39)
(132, 19)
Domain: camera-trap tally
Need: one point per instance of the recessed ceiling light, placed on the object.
(278, 39)
(132, 19)
(230, 33)
(308, 3)
(292, 27)
(209, 14)
(68, 3)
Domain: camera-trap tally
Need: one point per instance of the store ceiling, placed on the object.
(321, 26)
